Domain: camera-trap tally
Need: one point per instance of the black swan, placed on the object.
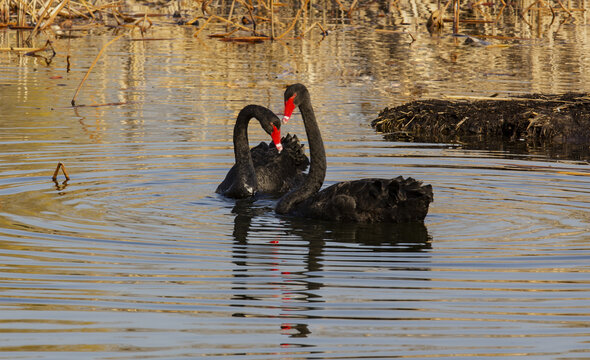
(273, 169)
(364, 201)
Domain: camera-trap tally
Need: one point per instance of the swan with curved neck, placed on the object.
(365, 200)
(265, 168)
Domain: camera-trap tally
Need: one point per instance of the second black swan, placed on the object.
(364, 201)
(263, 169)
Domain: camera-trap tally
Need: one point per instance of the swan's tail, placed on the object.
(413, 198)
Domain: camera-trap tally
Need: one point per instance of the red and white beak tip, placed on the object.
(276, 138)
(286, 119)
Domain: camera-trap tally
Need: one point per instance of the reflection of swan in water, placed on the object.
(387, 237)
(282, 270)
(245, 211)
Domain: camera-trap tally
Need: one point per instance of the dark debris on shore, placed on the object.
(537, 118)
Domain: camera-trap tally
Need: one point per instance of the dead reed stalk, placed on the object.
(54, 13)
(34, 32)
(196, 34)
(61, 166)
(92, 66)
(303, 5)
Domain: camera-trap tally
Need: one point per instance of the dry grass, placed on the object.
(262, 19)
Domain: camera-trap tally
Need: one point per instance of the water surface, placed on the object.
(136, 257)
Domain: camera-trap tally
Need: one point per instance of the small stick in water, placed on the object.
(63, 169)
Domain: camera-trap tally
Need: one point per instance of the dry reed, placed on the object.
(92, 66)
(61, 166)
(261, 20)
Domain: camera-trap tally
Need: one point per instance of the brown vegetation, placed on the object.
(263, 20)
(535, 118)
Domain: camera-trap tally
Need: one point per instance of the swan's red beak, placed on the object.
(276, 138)
(289, 107)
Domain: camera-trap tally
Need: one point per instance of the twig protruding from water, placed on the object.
(61, 166)
(92, 66)
(196, 34)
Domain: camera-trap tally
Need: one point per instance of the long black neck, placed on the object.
(245, 166)
(317, 168)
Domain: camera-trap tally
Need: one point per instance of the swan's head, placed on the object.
(271, 124)
(293, 97)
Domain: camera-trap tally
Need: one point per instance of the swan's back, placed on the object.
(276, 173)
(370, 201)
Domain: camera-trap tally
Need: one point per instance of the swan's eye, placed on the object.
(289, 107)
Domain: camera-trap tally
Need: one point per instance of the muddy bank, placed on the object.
(535, 118)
